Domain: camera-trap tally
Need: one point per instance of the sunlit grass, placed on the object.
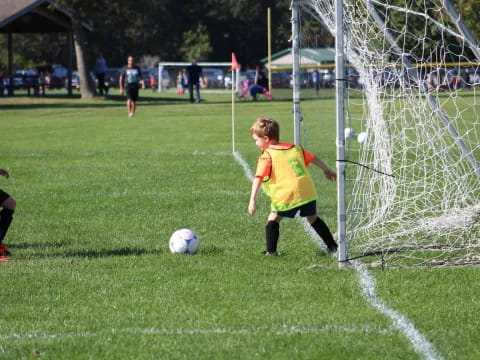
(91, 275)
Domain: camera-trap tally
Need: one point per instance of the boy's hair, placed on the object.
(266, 127)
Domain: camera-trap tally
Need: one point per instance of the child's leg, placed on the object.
(323, 231)
(6, 216)
(272, 233)
(268, 94)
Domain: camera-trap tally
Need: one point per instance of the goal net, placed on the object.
(413, 175)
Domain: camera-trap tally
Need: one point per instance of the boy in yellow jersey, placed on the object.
(282, 170)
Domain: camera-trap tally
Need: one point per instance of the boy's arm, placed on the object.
(257, 182)
(329, 173)
(120, 84)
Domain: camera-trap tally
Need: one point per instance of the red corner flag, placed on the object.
(235, 64)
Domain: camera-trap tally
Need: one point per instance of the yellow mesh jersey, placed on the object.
(289, 184)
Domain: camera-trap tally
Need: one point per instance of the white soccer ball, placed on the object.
(184, 241)
(362, 137)
(349, 133)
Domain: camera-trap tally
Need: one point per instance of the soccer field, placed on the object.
(91, 276)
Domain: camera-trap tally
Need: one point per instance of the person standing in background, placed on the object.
(194, 74)
(100, 70)
(130, 80)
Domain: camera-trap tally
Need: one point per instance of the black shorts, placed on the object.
(308, 209)
(132, 92)
(3, 196)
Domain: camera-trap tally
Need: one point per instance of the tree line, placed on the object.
(162, 30)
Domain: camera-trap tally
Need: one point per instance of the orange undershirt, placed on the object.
(264, 165)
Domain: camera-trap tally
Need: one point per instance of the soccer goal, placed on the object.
(409, 170)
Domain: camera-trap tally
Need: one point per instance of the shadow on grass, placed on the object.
(99, 253)
(211, 250)
(54, 250)
(114, 101)
(58, 101)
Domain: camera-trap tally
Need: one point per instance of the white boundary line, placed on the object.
(421, 345)
(282, 330)
(367, 284)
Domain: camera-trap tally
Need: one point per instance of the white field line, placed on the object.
(282, 330)
(244, 165)
(420, 344)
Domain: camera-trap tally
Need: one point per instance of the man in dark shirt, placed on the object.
(130, 80)
(194, 73)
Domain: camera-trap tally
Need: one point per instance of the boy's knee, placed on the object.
(312, 218)
(274, 217)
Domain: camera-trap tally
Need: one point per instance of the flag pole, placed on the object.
(269, 50)
(234, 69)
(233, 110)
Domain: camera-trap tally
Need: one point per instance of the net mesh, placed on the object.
(412, 92)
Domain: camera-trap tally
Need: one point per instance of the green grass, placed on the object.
(91, 277)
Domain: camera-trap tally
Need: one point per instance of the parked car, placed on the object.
(166, 79)
(146, 77)
(112, 76)
(24, 79)
(75, 80)
(212, 78)
(353, 78)
(18, 79)
(58, 76)
(473, 76)
(305, 79)
(227, 81)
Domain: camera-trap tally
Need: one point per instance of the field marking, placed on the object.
(367, 284)
(282, 330)
(421, 345)
(244, 165)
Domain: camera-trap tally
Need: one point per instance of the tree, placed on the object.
(79, 11)
(178, 30)
(196, 43)
(87, 85)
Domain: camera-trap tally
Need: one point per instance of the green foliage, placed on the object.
(196, 43)
(160, 28)
(467, 8)
(411, 28)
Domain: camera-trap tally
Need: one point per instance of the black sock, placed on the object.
(272, 232)
(6, 216)
(324, 232)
